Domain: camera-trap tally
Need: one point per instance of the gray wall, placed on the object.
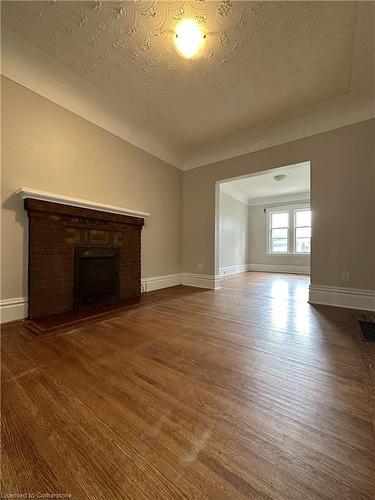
(342, 201)
(46, 147)
(234, 223)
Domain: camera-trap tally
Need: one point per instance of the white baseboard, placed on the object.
(159, 282)
(189, 279)
(277, 268)
(17, 308)
(201, 280)
(230, 270)
(351, 298)
(13, 309)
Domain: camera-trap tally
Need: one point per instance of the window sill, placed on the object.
(298, 254)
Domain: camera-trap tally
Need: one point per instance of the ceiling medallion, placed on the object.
(189, 38)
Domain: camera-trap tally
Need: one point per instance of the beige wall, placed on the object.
(258, 253)
(234, 223)
(342, 201)
(46, 147)
(49, 148)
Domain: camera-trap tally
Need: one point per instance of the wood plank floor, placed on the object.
(246, 392)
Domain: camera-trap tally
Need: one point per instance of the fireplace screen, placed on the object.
(96, 276)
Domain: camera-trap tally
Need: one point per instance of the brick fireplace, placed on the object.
(80, 257)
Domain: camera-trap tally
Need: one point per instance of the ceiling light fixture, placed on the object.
(279, 177)
(189, 38)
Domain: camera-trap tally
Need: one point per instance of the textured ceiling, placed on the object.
(248, 189)
(262, 60)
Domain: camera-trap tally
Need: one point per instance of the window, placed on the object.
(302, 225)
(279, 232)
(289, 229)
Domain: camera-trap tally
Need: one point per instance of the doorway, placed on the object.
(264, 223)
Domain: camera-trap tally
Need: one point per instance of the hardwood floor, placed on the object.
(246, 392)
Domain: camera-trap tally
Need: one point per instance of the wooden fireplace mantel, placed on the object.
(26, 192)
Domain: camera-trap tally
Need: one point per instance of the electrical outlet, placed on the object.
(345, 276)
(200, 267)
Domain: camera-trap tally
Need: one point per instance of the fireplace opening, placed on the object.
(96, 276)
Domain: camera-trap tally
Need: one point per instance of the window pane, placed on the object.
(303, 232)
(280, 245)
(303, 218)
(280, 220)
(303, 245)
(280, 233)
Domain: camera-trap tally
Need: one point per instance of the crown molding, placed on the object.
(34, 69)
(302, 196)
(280, 199)
(335, 113)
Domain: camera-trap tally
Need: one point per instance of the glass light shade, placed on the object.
(189, 38)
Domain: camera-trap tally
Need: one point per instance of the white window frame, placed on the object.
(291, 210)
(295, 210)
(269, 232)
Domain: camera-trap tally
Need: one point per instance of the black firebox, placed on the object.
(96, 276)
